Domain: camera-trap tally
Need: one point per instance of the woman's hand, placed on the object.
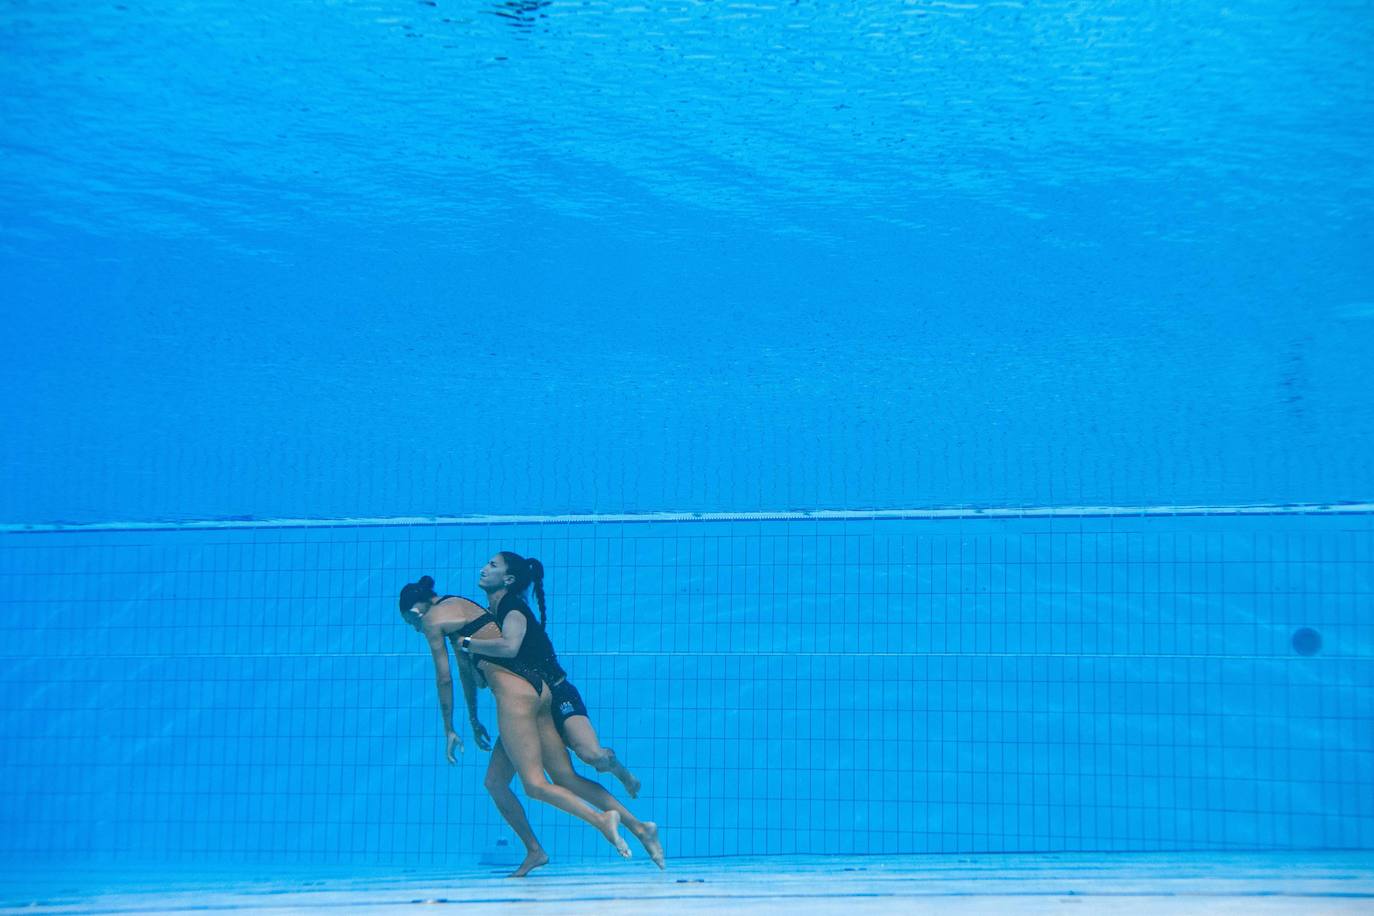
(479, 734)
(453, 741)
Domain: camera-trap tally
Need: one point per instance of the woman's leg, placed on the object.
(583, 741)
(560, 769)
(499, 773)
(518, 712)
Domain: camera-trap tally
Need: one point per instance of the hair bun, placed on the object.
(426, 582)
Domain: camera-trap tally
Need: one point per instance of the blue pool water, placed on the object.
(435, 279)
(704, 255)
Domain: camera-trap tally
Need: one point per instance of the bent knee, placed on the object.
(600, 758)
(588, 753)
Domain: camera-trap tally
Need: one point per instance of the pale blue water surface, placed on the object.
(703, 255)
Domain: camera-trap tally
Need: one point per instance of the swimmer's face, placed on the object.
(494, 576)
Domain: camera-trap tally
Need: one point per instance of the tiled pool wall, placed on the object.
(781, 687)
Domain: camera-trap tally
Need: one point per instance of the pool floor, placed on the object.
(1249, 883)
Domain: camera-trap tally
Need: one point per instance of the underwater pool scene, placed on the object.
(945, 428)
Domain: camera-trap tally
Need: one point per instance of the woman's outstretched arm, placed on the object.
(468, 679)
(443, 681)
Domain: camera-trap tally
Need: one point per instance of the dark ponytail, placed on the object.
(527, 572)
(537, 580)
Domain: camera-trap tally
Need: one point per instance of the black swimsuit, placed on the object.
(535, 661)
(566, 702)
(473, 625)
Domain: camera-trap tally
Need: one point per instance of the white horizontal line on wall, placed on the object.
(950, 512)
(422, 657)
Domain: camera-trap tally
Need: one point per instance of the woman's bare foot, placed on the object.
(610, 829)
(648, 836)
(533, 860)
